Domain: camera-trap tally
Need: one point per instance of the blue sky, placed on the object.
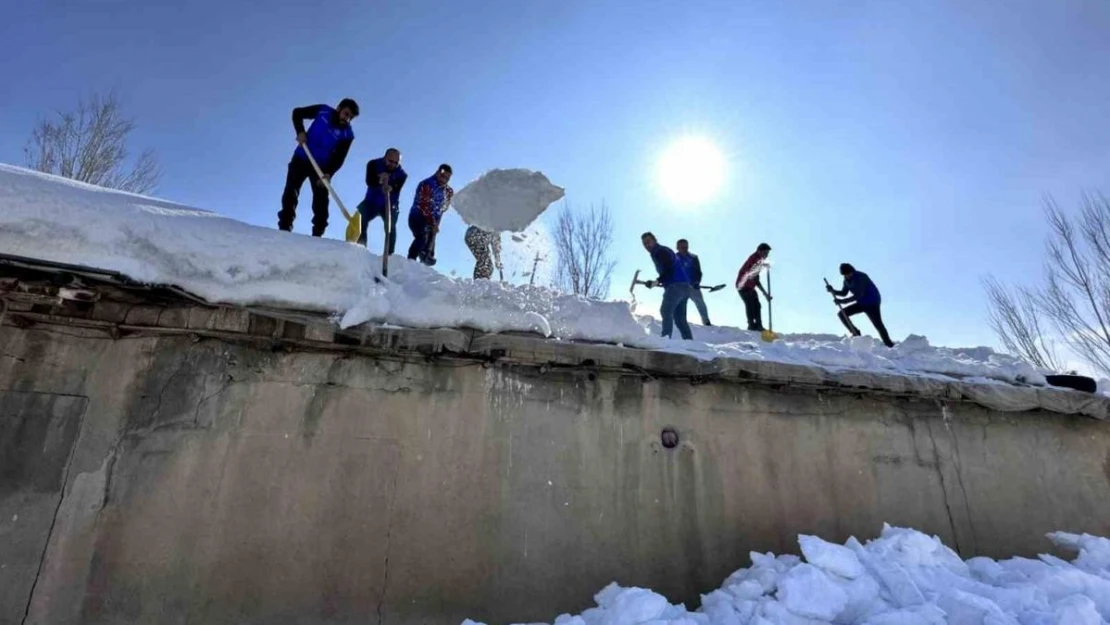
(912, 139)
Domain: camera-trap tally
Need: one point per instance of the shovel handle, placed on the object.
(320, 174)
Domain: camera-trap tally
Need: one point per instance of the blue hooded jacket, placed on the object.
(329, 144)
(668, 266)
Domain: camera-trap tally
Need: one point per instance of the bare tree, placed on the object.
(1075, 295)
(89, 144)
(583, 243)
(1015, 319)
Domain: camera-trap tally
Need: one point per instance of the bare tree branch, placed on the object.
(90, 145)
(1015, 320)
(584, 243)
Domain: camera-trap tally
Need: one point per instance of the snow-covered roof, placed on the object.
(226, 261)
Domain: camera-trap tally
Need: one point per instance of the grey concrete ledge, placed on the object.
(121, 312)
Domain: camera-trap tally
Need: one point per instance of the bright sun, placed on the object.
(691, 170)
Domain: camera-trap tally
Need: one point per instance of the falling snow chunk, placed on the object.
(784, 590)
(506, 199)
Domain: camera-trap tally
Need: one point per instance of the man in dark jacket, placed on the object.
(692, 265)
(329, 139)
(675, 283)
(433, 197)
(384, 180)
(865, 298)
(747, 281)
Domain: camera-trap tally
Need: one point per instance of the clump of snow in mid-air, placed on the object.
(226, 261)
(903, 577)
(506, 200)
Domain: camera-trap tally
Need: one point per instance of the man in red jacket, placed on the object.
(747, 281)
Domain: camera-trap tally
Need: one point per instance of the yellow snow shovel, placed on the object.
(769, 334)
(354, 222)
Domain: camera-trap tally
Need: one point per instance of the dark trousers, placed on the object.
(753, 309)
(423, 239)
(873, 313)
(673, 310)
(299, 171)
(369, 213)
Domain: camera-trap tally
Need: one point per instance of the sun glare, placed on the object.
(691, 171)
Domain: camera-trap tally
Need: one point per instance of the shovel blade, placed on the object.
(768, 336)
(354, 228)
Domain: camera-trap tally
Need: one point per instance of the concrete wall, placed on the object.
(183, 479)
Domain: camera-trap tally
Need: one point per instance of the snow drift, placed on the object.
(903, 577)
(503, 200)
(226, 261)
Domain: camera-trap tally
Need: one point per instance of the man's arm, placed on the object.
(337, 157)
(697, 271)
(842, 292)
(664, 264)
(371, 173)
(395, 195)
(305, 112)
(424, 202)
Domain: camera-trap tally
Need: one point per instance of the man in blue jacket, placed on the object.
(675, 283)
(692, 264)
(329, 139)
(384, 180)
(432, 198)
(864, 298)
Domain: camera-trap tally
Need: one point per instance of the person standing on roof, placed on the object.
(692, 265)
(329, 139)
(747, 281)
(675, 283)
(865, 298)
(481, 242)
(384, 179)
(433, 197)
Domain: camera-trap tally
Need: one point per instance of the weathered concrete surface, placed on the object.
(208, 480)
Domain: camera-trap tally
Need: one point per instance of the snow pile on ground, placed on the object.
(903, 577)
(226, 261)
(506, 199)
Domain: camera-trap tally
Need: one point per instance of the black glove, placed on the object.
(828, 287)
(650, 284)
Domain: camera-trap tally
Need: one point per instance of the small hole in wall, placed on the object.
(669, 438)
(591, 377)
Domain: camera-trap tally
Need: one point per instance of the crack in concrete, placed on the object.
(53, 520)
(946, 416)
(944, 488)
(388, 536)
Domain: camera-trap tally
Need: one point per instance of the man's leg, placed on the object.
(294, 180)
(667, 308)
(874, 313)
(419, 235)
(319, 206)
(366, 213)
(699, 303)
(843, 315)
(680, 313)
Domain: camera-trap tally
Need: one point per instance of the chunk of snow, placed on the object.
(807, 591)
(506, 199)
(836, 559)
